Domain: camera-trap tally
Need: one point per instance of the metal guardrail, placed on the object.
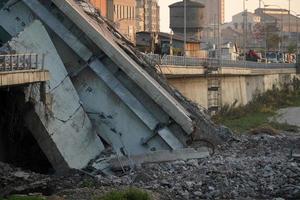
(193, 62)
(14, 62)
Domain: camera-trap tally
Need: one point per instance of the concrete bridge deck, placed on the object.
(21, 77)
(20, 69)
(195, 71)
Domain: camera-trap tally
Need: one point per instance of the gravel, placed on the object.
(250, 167)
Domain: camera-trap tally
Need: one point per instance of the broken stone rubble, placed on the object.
(251, 167)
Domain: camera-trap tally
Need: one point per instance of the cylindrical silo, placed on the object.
(195, 17)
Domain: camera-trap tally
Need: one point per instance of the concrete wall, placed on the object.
(194, 88)
(233, 88)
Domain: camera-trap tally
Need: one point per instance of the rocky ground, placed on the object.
(250, 167)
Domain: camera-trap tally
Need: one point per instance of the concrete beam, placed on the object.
(105, 75)
(59, 29)
(129, 99)
(158, 157)
(66, 124)
(106, 43)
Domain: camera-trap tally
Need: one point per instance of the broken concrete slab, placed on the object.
(67, 126)
(158, 157)
(126, 63)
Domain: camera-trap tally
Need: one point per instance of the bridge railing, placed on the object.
(193, 61)
(14, 62)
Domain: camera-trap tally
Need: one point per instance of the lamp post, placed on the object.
(297, 30)
(184, 1)
(281, 26)
(245, 29)
(289, 17)
(298, 35)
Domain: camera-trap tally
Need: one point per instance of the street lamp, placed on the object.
(298, 34)
(281, 26)
(245, 28)
(184, 1)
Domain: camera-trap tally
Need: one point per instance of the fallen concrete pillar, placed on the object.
(67, 127)
(158, 157)
(107, 132)
(127, 64)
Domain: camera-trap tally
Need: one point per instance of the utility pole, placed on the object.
(289, 17)
(298, 36)
(260, 3)
(219, 34)
(184, 29)
(244, 29)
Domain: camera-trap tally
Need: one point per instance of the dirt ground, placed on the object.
(251, 167)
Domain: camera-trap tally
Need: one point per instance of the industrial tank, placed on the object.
(194, 16)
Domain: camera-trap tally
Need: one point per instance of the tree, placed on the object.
(292, 48)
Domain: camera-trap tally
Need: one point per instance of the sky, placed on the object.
(232, 7)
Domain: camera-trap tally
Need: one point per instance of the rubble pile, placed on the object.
(252, 166)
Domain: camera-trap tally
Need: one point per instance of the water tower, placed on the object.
(194, 18)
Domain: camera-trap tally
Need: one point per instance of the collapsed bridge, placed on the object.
(102, 93)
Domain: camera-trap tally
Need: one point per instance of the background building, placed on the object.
(122, 14)
(147, 16)
(214, 16)
(280, 21)
(101, 5)
(243, 22)
(214, 11)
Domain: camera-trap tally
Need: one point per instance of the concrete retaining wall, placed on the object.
(234, 88)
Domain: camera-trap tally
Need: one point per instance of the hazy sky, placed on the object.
(231, 8)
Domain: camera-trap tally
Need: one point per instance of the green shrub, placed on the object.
(18, 197)
(260, 109)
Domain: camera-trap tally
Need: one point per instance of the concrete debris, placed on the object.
(252, 167)
(158, 157)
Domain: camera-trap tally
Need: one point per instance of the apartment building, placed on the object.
(147, 15)
(122, 14)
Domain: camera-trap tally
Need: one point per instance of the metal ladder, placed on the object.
(213, 87)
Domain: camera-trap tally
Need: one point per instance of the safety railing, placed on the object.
(193, 62)
(15, 62)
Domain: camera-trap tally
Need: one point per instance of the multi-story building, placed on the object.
(214, 16)
(286, 21)
(147, 15)
(287, 25)
(244, 21)
(244, 27)
(214, 11)
(122, 14)
(101, 5)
